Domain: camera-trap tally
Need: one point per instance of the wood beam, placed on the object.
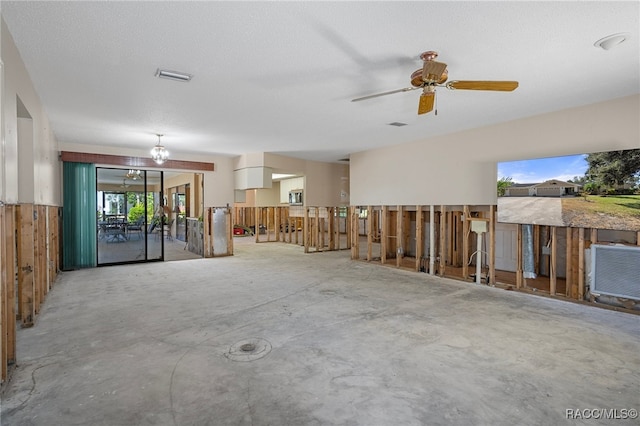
(121, 160)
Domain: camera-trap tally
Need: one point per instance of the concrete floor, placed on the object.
(272, 336)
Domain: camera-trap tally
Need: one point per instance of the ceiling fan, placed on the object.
(434, 74)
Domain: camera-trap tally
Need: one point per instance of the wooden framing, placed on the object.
(443, 236)
(569, 262)
(209, 235)
(7, 290)
(465, 241)
(581, 264)
(519, 278)
(492, 245)
(370, 221)
(419, 237)
(399, 243)
(384, 232)
(121, 160)
(553, 272)
(29, 255)
(26, 288)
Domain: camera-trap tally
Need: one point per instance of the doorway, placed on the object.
(129, 216)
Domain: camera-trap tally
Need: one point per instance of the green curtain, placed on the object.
(79, 216)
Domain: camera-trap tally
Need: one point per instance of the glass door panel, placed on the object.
(126, 203)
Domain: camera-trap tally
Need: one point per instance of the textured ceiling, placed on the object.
(279, 76)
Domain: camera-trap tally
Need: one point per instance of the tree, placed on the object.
(503, 184)
(614, 169)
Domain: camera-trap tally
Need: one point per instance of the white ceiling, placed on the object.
(279, 76)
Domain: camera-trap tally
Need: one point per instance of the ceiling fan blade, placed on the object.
(406, 89)
(432, 70)
(501, 86)
(427, 100)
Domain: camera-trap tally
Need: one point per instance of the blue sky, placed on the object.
(539, 170)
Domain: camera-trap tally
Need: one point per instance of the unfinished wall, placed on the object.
(462, 168)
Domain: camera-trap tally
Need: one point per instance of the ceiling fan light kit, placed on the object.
(435, 74)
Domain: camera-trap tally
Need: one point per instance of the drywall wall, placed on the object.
(287, 185)
(461, 168)
(46, 170)
(326, 184)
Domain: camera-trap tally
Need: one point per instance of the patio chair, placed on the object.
(136, 227)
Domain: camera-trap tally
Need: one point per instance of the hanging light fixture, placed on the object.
(133, 174)
(159, 153)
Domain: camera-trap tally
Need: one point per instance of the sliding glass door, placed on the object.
(129, 215)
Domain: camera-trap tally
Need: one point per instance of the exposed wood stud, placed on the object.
(419, 238)
(554, 255)
(569, 262)
(305, 230)
(369, 234)
(492, 244)
(399, 244)
(465, 241)
(26, 265)
(443, 235)
(384, 233)
(519, 278)
(581, 264)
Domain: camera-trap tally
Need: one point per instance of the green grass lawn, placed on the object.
(617, 205)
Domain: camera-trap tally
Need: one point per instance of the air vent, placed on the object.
(344, 159)
(173, 75)
(397, 124)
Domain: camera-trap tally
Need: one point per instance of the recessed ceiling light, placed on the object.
(611, 41)
(397, 124)
(173, 75)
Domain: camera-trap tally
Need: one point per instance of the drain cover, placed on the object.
(248, 350)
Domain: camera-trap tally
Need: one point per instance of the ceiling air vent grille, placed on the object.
(616, 271)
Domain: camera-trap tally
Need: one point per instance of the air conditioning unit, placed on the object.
(615, 271)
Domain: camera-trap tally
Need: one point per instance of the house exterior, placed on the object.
(549, 188)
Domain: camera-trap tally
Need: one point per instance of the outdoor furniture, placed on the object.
(136, 227)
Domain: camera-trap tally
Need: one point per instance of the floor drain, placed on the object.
(248, 350)
(248, 347)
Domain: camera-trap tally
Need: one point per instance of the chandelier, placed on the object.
(133, 174)
(159, 153)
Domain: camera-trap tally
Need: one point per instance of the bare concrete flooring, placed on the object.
(272, 336)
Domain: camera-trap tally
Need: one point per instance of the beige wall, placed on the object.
(218, 185)
(461, 168)
(326, 184)
(42, 178)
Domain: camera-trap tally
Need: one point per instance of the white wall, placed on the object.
(46, 170)
(461, 168)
